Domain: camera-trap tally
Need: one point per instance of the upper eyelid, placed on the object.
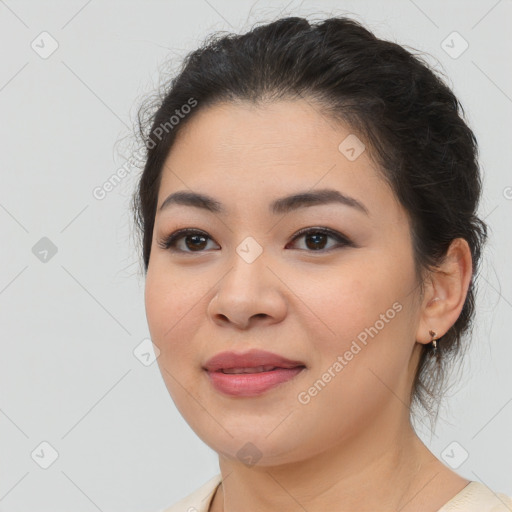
(179, 234)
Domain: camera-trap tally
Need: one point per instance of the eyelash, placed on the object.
(169, 242)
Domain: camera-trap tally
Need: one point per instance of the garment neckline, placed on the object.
(461, 493)
(467, 488)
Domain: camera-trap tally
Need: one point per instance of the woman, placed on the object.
(307, 214)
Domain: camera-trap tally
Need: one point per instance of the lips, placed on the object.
(250, 374)
(252, 361)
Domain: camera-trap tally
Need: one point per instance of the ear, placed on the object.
(445, 292)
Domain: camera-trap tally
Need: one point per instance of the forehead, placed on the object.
(275, 128)
(240, 151)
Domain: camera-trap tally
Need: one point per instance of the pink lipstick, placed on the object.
(250, 373)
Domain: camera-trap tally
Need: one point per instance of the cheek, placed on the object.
(158, 299)
(351, 297)
(363, 313)
(172, 311)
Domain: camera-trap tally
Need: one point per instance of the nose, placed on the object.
(249, 294)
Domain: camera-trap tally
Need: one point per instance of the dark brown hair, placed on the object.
(409, 119)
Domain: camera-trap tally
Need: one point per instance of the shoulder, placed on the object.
(199, 500)
(477, 497)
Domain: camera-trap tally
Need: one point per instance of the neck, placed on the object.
(378, 469)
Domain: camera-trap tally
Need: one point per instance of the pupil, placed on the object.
(194, 245)
(316, 240)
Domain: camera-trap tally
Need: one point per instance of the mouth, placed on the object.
(252, 361)
(250, 373)
(256, 369)
(252, 381)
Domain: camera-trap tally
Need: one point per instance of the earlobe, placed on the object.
(447, 291)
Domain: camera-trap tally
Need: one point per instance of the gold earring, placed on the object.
(434, 340)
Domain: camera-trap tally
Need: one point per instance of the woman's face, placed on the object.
(346, 308)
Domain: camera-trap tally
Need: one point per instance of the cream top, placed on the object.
(475, 497)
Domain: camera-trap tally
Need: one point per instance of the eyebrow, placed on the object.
(279, 206)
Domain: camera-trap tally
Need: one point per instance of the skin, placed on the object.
(352, 447)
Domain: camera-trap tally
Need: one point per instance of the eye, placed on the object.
(196, 240)
(316, 239)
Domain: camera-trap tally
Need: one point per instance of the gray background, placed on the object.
(72, 320)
